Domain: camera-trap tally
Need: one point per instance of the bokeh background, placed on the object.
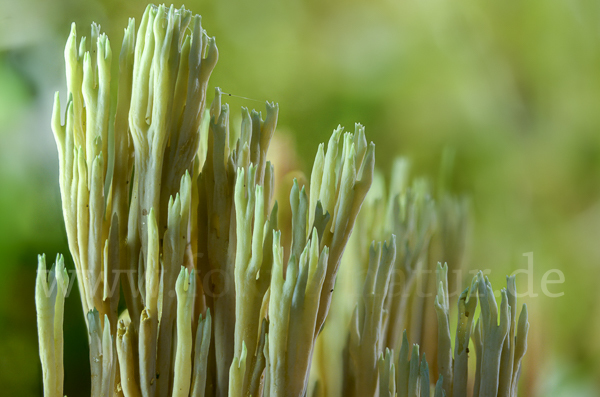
(513, 87)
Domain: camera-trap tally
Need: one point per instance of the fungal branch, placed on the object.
(50, 289)
(365, 342)
(339, 183)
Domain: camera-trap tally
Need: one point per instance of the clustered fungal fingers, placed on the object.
(341, 186)
(414, 217)
(89, 180)
(251, 279)
(413, 224)
(179, 215)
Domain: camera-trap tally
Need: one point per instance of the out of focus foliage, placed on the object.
(512, 86)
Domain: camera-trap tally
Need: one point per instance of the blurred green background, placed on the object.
(512, 86)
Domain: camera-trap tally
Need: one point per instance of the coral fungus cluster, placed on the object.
(166, 206)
